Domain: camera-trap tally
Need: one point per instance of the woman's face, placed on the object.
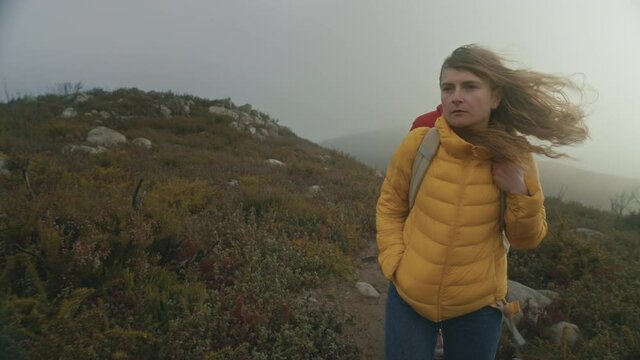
(467, 100)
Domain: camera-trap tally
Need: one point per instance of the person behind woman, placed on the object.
(444, 257)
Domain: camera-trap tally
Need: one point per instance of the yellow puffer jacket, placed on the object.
(445, 256)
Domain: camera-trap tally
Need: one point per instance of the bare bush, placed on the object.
(620, 202)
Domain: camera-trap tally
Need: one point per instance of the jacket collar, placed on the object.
(458, 147)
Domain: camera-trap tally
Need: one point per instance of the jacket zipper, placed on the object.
(466, 164)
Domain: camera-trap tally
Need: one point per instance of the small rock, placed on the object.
(84, 148)
(233, 183)
(69, 113)
(272, 127)
(275, 162)
(588, 233)
(245, 119)
(81, 98)
(367, 290)
(144, 142)
(565, 332)
(236, 125)
(315, 189)
(165, 111)
(104, 114)
(252, 130)
(258, 120)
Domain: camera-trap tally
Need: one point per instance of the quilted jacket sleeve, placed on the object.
(525, 216)
(393, 204)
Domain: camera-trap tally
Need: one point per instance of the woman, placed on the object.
(444, 256)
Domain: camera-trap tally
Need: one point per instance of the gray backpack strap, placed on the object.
(505, 241)
(502, 204)
(426, 151)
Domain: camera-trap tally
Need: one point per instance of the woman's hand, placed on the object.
(509, 178)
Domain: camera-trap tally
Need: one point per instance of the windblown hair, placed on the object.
(532, 104)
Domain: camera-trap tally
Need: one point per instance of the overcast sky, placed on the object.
(327, 68)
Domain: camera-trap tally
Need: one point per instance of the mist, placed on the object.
(330, 68)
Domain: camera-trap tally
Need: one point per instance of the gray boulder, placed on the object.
(179, 107)
(531, 301)
(217, 110)
(367, 290)
(552, 295)
(103, 136)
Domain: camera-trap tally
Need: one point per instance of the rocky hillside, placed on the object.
(150, 225)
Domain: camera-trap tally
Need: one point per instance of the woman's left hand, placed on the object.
(508, 177)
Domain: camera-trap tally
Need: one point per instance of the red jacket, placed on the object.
(428, 119)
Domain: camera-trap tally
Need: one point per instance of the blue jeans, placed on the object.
(408, 335)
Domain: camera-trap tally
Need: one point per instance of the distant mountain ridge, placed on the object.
(376, 147)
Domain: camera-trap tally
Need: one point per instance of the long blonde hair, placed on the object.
(532, 104)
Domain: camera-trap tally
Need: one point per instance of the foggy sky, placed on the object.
(327, 68)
